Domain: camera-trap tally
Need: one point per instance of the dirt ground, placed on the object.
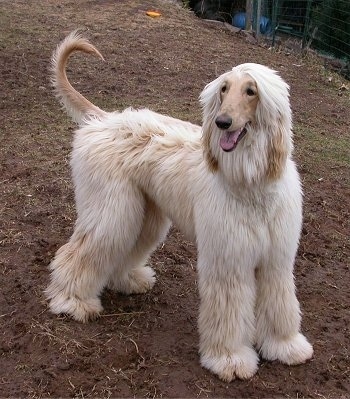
(146, 345)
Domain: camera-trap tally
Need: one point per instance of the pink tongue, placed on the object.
(228, 140)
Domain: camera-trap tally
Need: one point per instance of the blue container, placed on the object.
(265, 25)
(238, 21)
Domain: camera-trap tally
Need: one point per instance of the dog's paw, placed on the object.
(80, 310)
(136, 281)
(243, 364)
(295, 350)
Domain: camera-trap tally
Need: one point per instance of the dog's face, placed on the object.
(238, 102)
(249, 104)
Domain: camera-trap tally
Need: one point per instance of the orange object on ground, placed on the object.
(153, 14)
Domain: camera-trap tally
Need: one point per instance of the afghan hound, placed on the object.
(231, 186)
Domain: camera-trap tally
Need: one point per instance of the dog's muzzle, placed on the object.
(229, 138)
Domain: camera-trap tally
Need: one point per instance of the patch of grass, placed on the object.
(323, 151)
(326, 147)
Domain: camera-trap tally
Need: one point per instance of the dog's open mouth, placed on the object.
(229, 140)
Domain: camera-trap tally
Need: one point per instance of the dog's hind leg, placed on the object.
(110, 219)
(133, 277)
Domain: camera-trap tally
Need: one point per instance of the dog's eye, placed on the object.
(223, 89)
(250, 92)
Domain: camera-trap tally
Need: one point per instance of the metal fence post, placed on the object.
(307, 24)
(257, 18)
(274, 20)
(248, 15)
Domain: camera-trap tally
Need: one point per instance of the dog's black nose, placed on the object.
(223, 121)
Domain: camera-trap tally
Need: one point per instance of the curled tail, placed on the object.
(77, 106)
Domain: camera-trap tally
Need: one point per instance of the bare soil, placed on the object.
(146, 345)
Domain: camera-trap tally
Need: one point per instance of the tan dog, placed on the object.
(230, 186)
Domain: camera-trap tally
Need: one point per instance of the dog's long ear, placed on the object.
(210, 102)
(278, 151)
(273, 116)
(209, 157)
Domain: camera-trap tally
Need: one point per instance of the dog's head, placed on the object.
(243, 104)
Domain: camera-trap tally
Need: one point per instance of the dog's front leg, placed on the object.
(226, 319)
(278, 312)
(277, 307)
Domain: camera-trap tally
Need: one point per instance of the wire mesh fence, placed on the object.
(329, 27)
(320, 24)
